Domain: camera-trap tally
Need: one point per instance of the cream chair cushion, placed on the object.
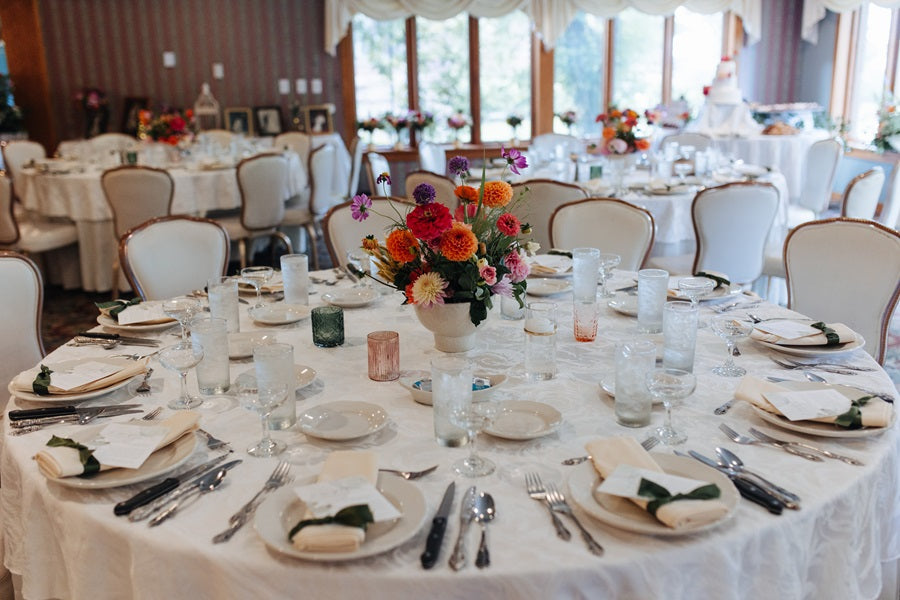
(31, 236)
(21, 301)
(845, 271)
(612, 225)
(890, 210)
(861, 195)
(296, 141)
(444, 187)
(539, 201)
(343, 233)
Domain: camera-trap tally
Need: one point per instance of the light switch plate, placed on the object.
(301, 86)
(169, 59)
(316, 86)
(218, 71)
(284, 86)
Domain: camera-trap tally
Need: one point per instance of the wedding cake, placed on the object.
(725, 114)
(724, 88)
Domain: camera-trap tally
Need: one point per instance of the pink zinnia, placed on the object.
(489, 274)
(508, 224)
(518, 268)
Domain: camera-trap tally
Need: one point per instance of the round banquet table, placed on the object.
(67, 543)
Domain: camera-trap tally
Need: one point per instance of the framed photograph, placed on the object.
(239, 120)
(131, 106)
(268, 120)
(318, 119)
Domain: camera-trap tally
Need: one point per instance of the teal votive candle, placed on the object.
(327, 326)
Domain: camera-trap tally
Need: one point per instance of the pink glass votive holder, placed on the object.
(384, 355)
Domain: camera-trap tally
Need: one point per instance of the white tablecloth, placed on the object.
(79, 196)
(68, 544)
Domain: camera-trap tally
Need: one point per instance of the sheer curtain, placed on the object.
(814, 11)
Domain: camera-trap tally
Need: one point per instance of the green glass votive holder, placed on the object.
(327, 326)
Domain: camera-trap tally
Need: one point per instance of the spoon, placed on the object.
(207, 483)
(727, 458)
(484, 507)
(814, 378)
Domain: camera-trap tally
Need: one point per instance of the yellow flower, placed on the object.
(497, 194)
(370, 243)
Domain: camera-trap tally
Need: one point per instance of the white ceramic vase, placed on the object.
(451, 325)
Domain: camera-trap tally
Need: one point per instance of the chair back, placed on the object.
(262, 180)
(221, 137)
(862, 193)
(821, 165)
(539, 199)
(845, 271)
(612, 225)
(343, 233)
(444, 187)
(432, 158)
(173, 255)
(699, 141)
(136, 194)
(321, 168)
(18, 153)
(376, 164)
(890, 210)
(731, 223)
(357, 148)
(296, 141)
(546, 145)
(9, 230)
(21, 300)
(112, 142)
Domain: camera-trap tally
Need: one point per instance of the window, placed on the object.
(637, 60)
(443, 50)
(871, 80)
(505, 75)
(579, 60)
(379, 54)
(696, 50)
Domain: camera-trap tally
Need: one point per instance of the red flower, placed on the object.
(429, 221)
(470, 211)
(508, 224)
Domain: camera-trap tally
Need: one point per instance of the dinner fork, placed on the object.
(278, 478)
(411, 475)
(536, 490)
(212, 442)
(835, 370)
(558, 503)
(749, 441)
(800, 364)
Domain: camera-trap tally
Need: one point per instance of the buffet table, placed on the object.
(67, 543)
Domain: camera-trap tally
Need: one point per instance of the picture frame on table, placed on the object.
(131, 108)
(318, 119)
(239, 120)
(268, 120)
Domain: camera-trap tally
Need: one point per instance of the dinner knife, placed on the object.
(63, 411)
(29, 425)
(466, 515)
(183, 487)
(120, 338)
(438, 526)
(748, 489)
(153, 492)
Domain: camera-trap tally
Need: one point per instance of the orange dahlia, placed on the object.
(642, 144)
(608, 133)
(459, 243)
(402, 245)
(497, 194)
(466, 193)
(370, 243)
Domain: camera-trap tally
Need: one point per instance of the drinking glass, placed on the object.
(679, 335)
(608, 262)
(694, 288)
(652, 287)
(327, 326)
(510, 309)
(295, 277)
(540, 340)
(384, 355)
(633, 403)
(731, 331)
(473, 416)
(359, 261)
(274, 366)
(181, 358)
(585, 315)
(182, 309)
(670, 386)
(451, 388)
(682, 169)
(257, 277)
(263, 400)
(585, 269)
(223, 301)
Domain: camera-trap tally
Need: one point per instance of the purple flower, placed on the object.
(424, 193)
(503, 287)
(515, 159)
(459, 165)
(359, 207)
(383, 178)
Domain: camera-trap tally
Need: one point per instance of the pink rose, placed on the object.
(489, 274)
(617, 146)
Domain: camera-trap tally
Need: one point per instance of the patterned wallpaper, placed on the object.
(769, 68)
(118, 45)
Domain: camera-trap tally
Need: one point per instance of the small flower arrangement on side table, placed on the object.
(370, 125)
(398, 123)
(888, 136)
(170, 127)
(457, 121)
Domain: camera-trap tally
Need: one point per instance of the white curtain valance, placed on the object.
(550, 18)
(814, 11)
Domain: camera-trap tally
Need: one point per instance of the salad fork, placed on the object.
(537, 491)
(277, 479)
(212, 442)
(558, 503)
(743, 439)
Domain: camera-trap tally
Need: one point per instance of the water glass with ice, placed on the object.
(274, 365)
(223, 301)
(679, 335)
(633, 400)
(295, 277)
(540, 340)
(451, 390)
(653, 286)
(585, 273)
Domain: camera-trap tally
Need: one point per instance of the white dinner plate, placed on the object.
(342, 420)
(282, 510)
(419, 385)
(816, 351)
(524, 420)
(242, 343)
(550, 265)
(625, 304)
(624, 514)
(548, 287)
(279, 313)
(821, 429)
(74, 398)
(351, 297)
(304, 375)
(159, 463)
(608, 385)
(111, 323)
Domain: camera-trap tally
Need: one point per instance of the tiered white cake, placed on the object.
(725, 113)
(724, 88)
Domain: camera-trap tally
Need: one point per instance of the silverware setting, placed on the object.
(535, 488)
(467, 514)
(557, 503)
(828, 369)
(278, 478)
(410, 475)
(743, 439)
(647, 444)
(144, 388)
(735, 306)
(206, 484)
(739, 476)
(730, 460)
(486, 511)
(808, 365)
(721, 410)
(212, 442)
(183, 488)
(790, 443)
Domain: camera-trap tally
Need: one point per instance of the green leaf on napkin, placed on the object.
(354, 516)
(719, 278)
(831, 336)
(114, 307)
(559, 253)
(660, 496)
(852, 419)
(41, 383)
(85, 454)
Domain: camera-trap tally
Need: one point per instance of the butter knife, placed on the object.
(466, 515)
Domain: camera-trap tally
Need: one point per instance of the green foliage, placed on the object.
(11, 118)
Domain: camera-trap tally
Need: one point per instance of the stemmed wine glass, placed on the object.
(263, 400)
(473, 416)
(182, 309)
(257, 277)
(731, 331)
(181, 358)
(608, 262)
(694, 288)
(670, 386)
(360, 267)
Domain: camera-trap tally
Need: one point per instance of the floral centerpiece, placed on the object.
(457, 121)
(568, 118)
(619, 132)
(95, 105)
(888, 136)
(370, 125)
(437, 258)
(170, 127)
(514, 121)
(398, 123)
(419, 120)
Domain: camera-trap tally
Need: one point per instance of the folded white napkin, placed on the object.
(845, 334)
(609, 453)
(550, 264)
(331, 537)
(127, 369)
(875, 413)
(60, 461)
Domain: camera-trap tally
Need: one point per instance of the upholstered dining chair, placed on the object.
(444, 187)
(30, 236)
(890, 210)
(221, 137)
(822, 160)
(432, 157)
(17, 154)
(731, 224)
(262, 180)
(847, 271)
(135, 195)
(112, 142)
(21, 299)
(539, 199)
(296, 141)
(343, 233)
(357, 149)
(547, 143)
(173, 255)
(861, 194)
(376, 164)
(613, 225)
(699, 141)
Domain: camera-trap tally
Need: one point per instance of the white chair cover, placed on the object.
(18, 153)
(699, 141)
(322, 162)
(106, 143)
(262, 180)
(376, 164)
(343, 233)
(21, 301)
(136, 194)
(222, 137)
(296, 141)
(542, 198)
(612, 225)
(862, 193)
(845, 271)
(821, 165)
(174, 255)
(357, 148)
(890, 210)
(444, 187)
(432, 158)
(31, 236)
